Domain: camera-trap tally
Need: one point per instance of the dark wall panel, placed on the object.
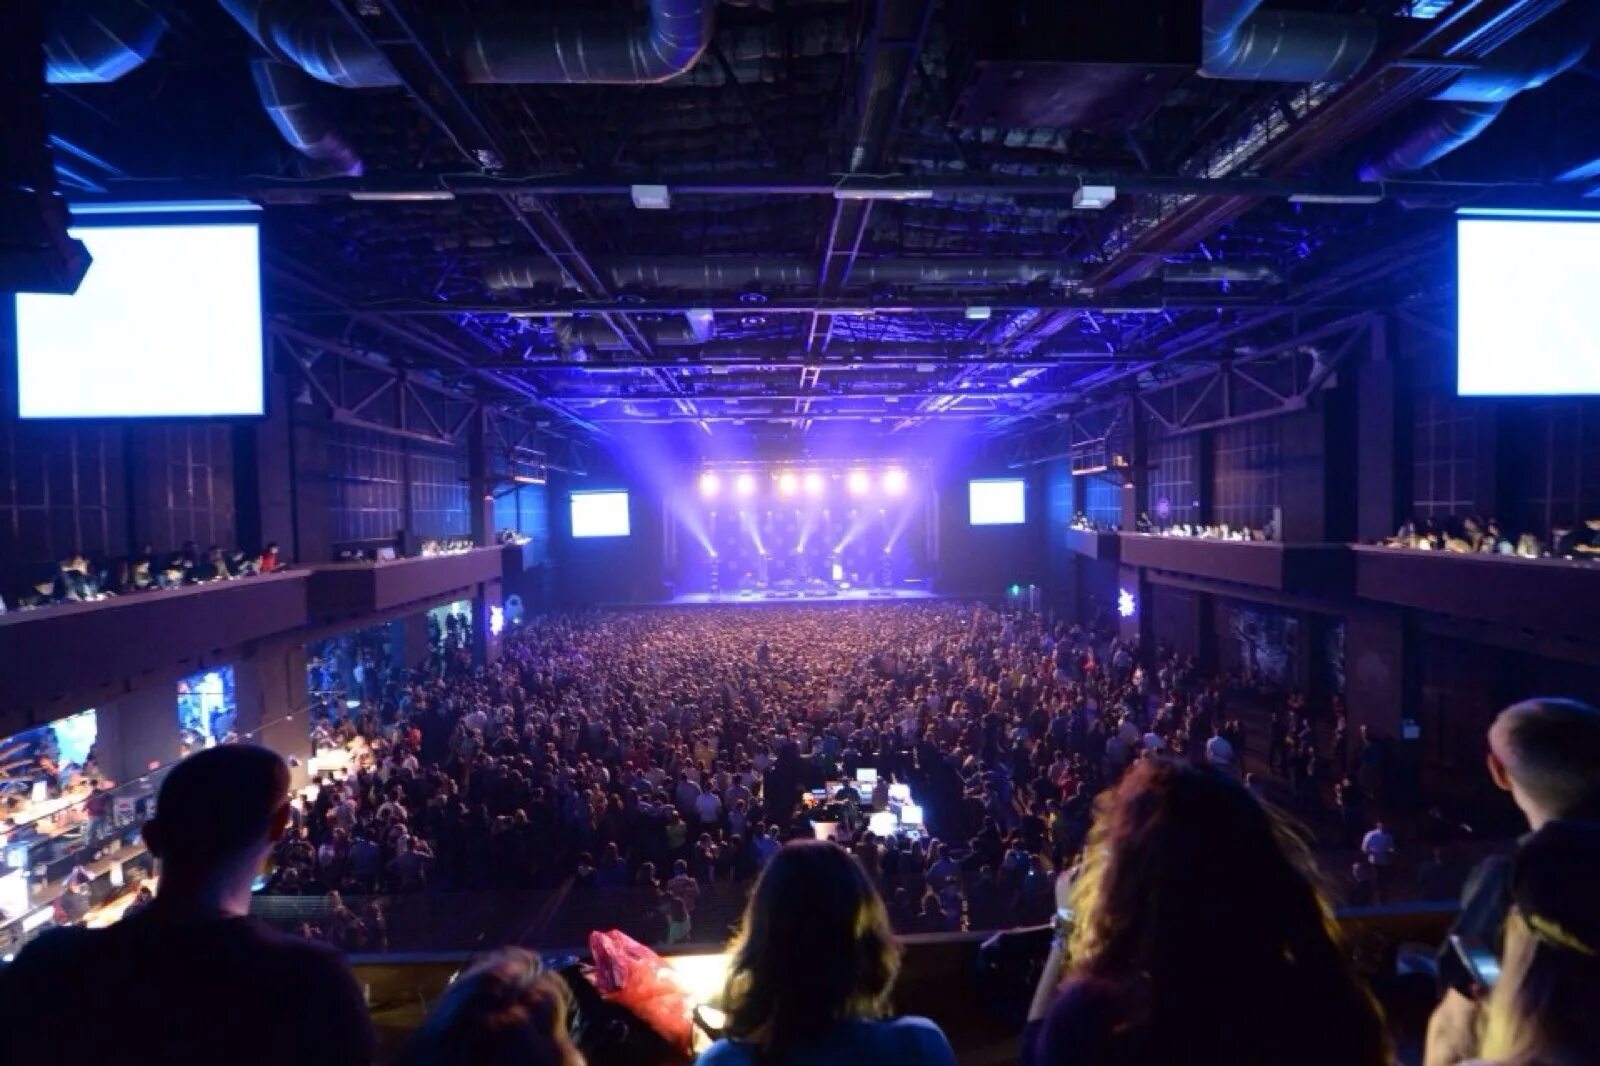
(62, 489)
(1246, 479)
(986, 560)
(365, 475)
(1103, 499)
(438, 492)
(1174, 494)
(182, 485)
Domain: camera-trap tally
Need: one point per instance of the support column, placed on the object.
(1383, 452)
(270, 687)
(139, 730)
(263, 473)
(408, 641)
(1136, 482)
(480, 491)
(488, 623)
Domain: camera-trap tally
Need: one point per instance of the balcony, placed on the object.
(1311, 569)
(1544, 595)
(520, 558)
(350, 590)
(1092, 545)
(69, 656)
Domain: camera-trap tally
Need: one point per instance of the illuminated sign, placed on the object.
(1126, 604)
(497, 620)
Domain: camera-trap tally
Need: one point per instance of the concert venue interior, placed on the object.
(711, 369)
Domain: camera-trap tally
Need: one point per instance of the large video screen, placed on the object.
(997, 502)
(166, 324)
(1528, 320)
(600, 514)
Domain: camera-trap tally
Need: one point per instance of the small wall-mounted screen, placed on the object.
(600, 514)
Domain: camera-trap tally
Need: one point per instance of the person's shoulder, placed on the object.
(57, 952)
(932, 1046)
(725, 1053)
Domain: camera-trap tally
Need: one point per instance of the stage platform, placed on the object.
(794, 598)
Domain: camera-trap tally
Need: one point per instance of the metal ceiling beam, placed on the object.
(422, 188)
(898, 305)
(1465, 31)
(784, 397)
(899, 31)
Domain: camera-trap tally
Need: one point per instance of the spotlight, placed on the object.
(859, 483)
(788, 484)
(710, 485)
(746, 484)
(814, 483)
(894, 482)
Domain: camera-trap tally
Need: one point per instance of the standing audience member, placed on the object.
(191, 979)
(1195, 899)
(1543, 1007)
(812, 969)
(1546, 754)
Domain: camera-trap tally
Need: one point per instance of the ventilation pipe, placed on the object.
(1468, 106)
(503, 48)
(1244, 44)
(287, 94)
(692, 274)
(96, 41)
(744, 274)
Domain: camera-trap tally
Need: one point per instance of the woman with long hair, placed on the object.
(811, 971)
(1194, 934)
(1542, 1009)
(505, 1011)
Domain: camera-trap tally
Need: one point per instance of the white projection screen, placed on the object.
(1528, 317)
(600, 514)
(997, 502)
(166, 324)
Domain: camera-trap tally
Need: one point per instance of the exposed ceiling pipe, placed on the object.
(287, 94)
(96, 41)
(753, 273)
(533, 48)
(1433, 130)
(1242, 43)
(730, 274)
(1470, 103)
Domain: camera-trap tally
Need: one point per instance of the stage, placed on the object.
(792, 598)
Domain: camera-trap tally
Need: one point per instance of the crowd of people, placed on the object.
(77, 580)
(1475, 535)
(667, 750)
(1190, 930)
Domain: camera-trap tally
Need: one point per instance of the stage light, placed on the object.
(746, 484)
(894, 482)
(814, 483)
(858, 483)
(710, 485)
(788, 484)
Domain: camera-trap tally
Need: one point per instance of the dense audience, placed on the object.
(668, 751)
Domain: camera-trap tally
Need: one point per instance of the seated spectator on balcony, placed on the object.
(1582, 542)
(505, 1011)
(812, 970)
(1542, 1008)
(1194, 900)
(191, 979)
(1529, 547)
(1546, 754)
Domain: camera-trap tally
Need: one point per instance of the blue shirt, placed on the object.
(902, 1041)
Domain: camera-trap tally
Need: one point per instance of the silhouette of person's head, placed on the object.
(219, 811)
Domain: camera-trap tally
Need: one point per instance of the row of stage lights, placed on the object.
(789, 483)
